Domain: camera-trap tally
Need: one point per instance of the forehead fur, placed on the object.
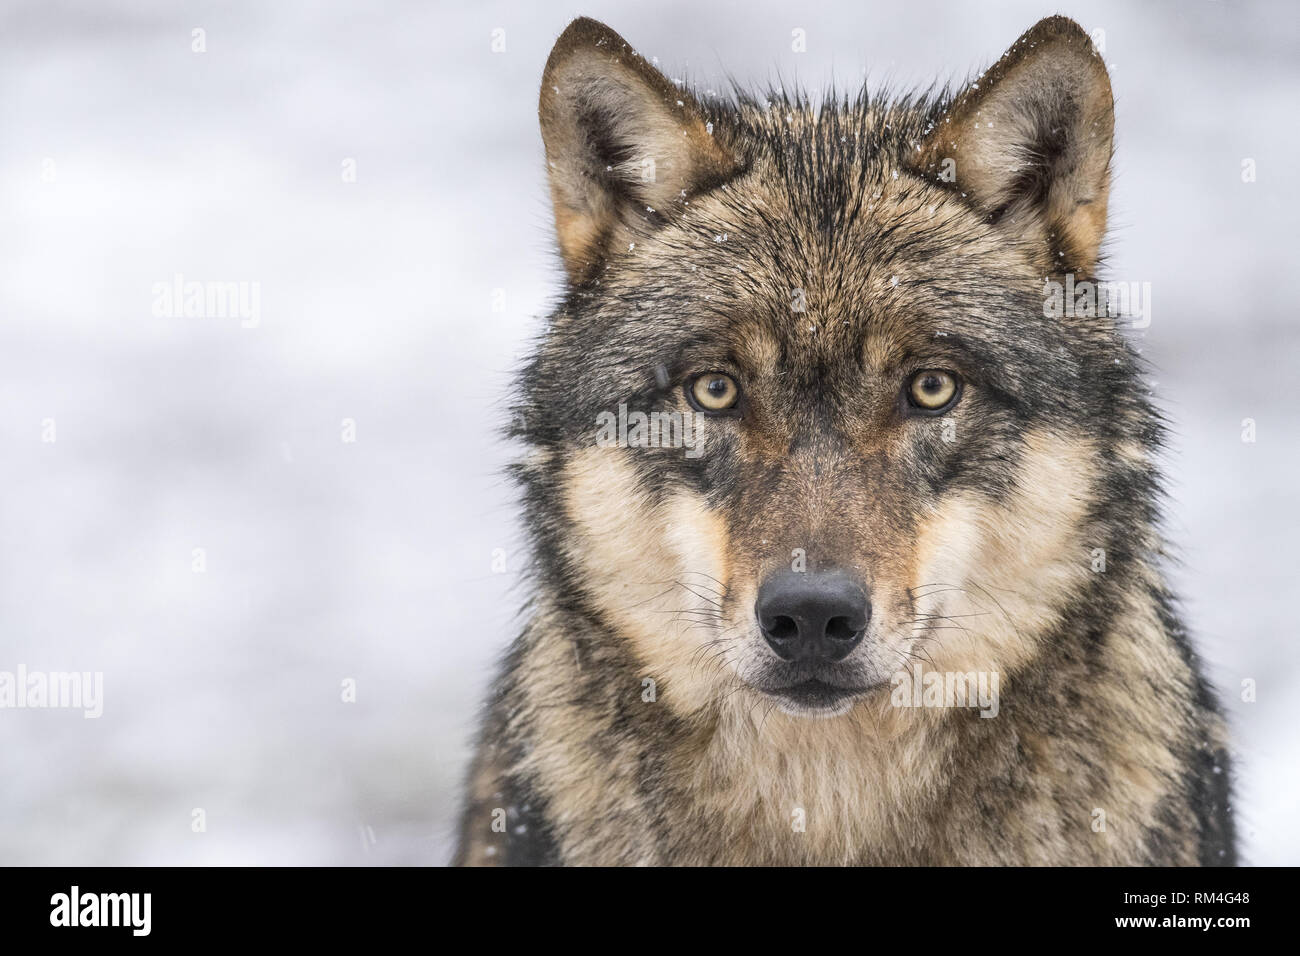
(826, 248)
(828, 154)
(823, 252)
(825, 211)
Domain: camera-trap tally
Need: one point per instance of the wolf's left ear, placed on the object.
(1029, 143)
(624, 146)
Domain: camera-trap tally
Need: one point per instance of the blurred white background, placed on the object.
(126, 158)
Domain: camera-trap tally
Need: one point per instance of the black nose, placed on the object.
(816, 617)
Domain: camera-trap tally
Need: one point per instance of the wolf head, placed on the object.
(802, 418)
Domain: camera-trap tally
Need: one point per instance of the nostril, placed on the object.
(782, 628)
(841, 629)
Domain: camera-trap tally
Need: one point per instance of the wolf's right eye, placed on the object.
(933, 390)
(713, 392)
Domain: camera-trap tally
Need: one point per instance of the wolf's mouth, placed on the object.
(815, 695)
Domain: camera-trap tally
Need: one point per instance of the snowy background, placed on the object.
(126, 158)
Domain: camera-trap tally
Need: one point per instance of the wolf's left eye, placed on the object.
(933, 390)
(713, 392)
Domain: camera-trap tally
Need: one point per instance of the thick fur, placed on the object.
(630, 724)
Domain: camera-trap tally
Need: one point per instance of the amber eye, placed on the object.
(932, 389)
(714, 392)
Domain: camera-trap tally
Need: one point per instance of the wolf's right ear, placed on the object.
(624, 146)
(1029, 144)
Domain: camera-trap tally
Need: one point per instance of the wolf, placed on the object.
(908, 471)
